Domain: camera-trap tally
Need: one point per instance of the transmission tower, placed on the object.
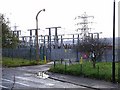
(83, 25)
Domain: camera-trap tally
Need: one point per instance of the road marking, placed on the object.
(23, 78)
(16, 82)
(22, 84)
(26, 79)
(3, 86)
(7, 80)
(48, 84)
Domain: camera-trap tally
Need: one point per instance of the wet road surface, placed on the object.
(28, 77)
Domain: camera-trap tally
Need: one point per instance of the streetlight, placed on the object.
(36, 32)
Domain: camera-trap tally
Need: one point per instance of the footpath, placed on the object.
(82, 81)
(86, 82)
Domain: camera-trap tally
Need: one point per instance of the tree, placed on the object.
(9, 40)
(94, 47)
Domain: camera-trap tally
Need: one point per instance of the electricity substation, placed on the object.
(54, 46)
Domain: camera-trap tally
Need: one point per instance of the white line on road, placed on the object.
(22, 84)
(7, 80)
(16, 82)
(3, 86)
(22, 78)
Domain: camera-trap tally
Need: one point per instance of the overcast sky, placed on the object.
(60, 13)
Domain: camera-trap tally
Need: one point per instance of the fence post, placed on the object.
(61, 60)
(81, 68)
(54, 63)
(65, 66)
(98, 71)
(70, 62)
(45, 61)
(12, 53)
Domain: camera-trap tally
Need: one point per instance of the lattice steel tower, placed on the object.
(83, 25)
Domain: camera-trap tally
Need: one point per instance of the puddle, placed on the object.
(42, 74)
(49, 84)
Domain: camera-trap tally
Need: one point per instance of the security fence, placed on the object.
(30, 53)
(25, 53)
(53, 54)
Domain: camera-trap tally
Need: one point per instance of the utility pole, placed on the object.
(113, 62)
(30, 42)
(49, 38)
(49, 42)
(24, 40)
(61, 41)
(119, 41)
(56, 36)
(31, 34)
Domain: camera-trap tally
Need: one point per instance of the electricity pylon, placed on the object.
(83, 25)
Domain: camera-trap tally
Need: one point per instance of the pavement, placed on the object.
(83, 81)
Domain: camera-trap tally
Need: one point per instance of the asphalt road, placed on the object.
(29, 78)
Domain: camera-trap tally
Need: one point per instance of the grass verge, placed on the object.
(102, 71)
(17, 62)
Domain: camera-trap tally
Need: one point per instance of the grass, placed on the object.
(103, 70)
(15, 62)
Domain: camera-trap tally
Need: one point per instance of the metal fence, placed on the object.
(30, 53)
(25, 53)
(55, 54)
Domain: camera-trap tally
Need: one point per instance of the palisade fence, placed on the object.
(30, 53)
(55, 54)
(25, 53)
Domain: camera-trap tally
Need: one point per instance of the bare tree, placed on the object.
(94, 47)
